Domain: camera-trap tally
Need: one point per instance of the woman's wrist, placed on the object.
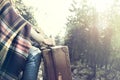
(43, 41)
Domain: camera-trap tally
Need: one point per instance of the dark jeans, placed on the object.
(32, 64)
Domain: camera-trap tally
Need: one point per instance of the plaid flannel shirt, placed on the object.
(10, 21)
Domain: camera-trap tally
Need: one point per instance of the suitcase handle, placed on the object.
(45, 47)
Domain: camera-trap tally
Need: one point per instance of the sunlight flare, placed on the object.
(101, 5)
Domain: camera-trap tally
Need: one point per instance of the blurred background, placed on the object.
(90, 28)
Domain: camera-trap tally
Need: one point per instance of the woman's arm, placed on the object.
(40, 37)
(37, 36)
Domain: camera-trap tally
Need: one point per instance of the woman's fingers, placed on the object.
(49, 41)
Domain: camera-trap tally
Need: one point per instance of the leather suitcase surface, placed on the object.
(57, 63)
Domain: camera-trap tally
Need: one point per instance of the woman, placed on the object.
(20, 55)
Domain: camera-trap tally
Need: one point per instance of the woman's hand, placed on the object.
(49, 41)
(40, 38)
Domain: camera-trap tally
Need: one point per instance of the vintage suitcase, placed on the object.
(57, 63)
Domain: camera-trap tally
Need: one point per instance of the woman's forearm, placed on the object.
(37, 36)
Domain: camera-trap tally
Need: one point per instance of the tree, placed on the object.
(84, 40)
(89, 44)
(78, 29)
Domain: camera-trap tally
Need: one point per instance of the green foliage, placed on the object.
(83, 37)
(115, 22)
(78, 29)
(98, 49)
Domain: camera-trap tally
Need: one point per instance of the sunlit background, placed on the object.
(51, 14)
